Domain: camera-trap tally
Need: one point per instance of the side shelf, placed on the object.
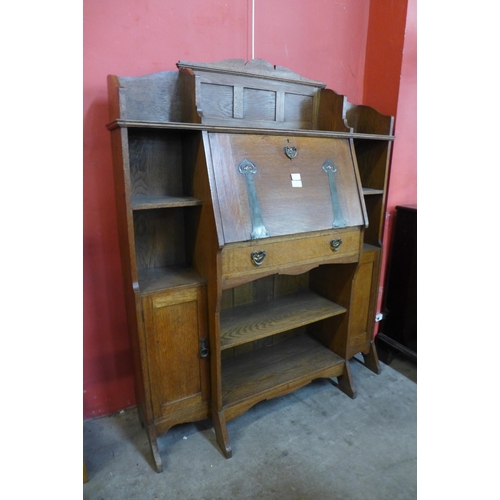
(373, 157)
(150, 202)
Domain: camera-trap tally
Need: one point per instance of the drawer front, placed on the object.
(276, 256)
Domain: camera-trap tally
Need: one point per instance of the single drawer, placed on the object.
(278, 254)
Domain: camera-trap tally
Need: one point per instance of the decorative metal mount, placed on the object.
(336, 244)
(248, 169)
(258, 257)
(290, 151)
(338, 220)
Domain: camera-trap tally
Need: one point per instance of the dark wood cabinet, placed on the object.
(399, 329)
(250, 203)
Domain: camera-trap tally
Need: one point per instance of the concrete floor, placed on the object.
(313, 444)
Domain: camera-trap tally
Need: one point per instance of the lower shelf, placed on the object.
(274, 371)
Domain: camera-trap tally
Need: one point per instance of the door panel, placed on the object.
(175, 322)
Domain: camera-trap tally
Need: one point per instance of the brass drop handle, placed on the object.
(336, 244)
(258, 257)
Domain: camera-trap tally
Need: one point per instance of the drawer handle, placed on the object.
(336, 244)
(203, 348)
(258, 257)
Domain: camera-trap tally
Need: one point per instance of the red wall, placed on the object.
(130, 37)
(319, 39)
(403, 179)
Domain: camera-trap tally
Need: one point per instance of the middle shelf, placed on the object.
(249, 322)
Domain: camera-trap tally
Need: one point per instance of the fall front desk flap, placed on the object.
(277, 185)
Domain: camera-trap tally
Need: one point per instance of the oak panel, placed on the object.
(174, 324)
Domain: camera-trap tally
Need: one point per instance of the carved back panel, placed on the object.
(255, 94)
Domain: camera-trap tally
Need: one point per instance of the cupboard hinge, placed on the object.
(203, 348)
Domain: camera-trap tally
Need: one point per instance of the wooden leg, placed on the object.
(153, 444)
(345, 382)
(219, 421)
(371, 359)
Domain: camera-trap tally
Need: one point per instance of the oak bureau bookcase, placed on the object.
(250, 203)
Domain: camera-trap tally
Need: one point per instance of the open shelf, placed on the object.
(250, 322)
(164, 125)
(275, 370)
(162, 278)
(370, 191)
(151, 202)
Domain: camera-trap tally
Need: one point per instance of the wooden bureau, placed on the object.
(250, 203)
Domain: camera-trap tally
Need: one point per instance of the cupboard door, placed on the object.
(176, 327)
(364, 303)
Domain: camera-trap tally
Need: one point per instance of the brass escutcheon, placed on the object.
(290, 151)
(335, 244)
(258, 257)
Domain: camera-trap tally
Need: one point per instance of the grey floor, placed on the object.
(313, 444)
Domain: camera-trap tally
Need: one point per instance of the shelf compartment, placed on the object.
(152, 202)
(274, 371)
(161, 166)
(250, 322)
(161, 238)
(164, 278)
